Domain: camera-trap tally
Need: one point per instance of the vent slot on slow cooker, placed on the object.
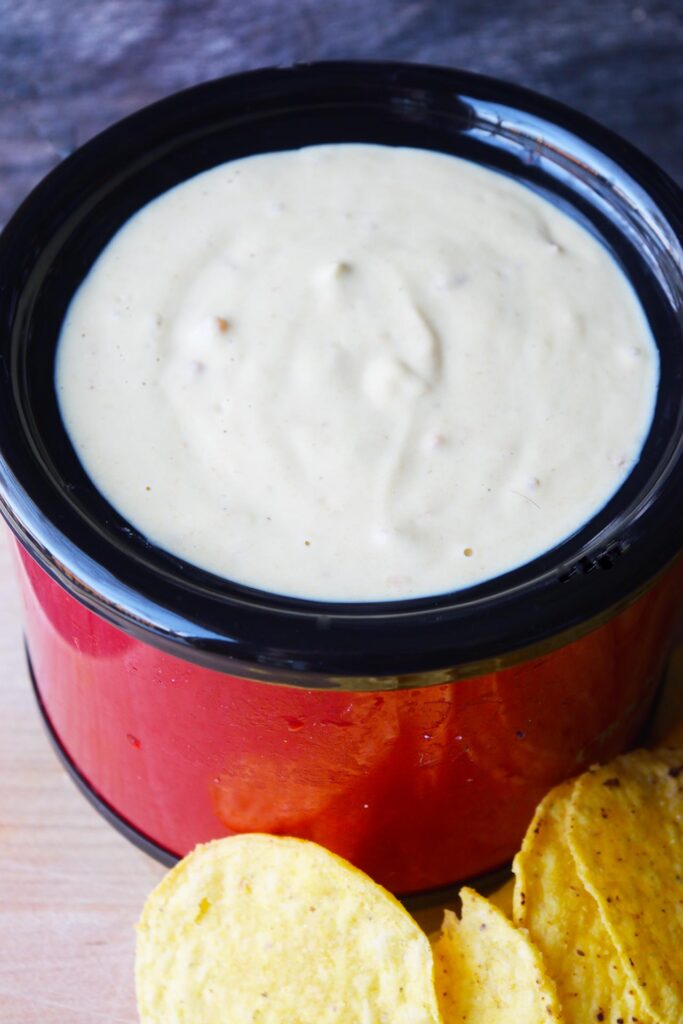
(603, 559)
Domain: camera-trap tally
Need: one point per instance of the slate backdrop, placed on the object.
(68, 68)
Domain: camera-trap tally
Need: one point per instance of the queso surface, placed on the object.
(356, 372)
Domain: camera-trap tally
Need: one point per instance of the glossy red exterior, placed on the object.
(420, 787)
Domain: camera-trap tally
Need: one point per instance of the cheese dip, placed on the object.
(356, 372)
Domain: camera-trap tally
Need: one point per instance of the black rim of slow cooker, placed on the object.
(81, 541)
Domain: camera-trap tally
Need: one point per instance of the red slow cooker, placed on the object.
(413, 737)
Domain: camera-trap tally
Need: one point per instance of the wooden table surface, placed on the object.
(70, 886)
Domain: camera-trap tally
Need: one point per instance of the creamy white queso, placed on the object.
(356, 372)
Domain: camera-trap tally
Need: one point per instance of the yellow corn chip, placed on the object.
(564, 921)
(626, 835)
(274, 930)
(487, 971)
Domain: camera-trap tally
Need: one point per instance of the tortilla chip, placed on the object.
(563, 920)
(626, 835)
(487, 971)
(273, 929)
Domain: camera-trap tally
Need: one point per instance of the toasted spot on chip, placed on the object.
(258, 929)
(564, 921)
(627, 842)
(487, 971)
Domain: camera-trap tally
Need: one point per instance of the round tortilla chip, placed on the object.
(488, 972)
(259, 929)
(564, 921)
(626, 835)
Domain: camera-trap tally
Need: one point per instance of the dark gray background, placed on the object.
(70, 67)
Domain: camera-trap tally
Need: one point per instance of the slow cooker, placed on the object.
(413, 737)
